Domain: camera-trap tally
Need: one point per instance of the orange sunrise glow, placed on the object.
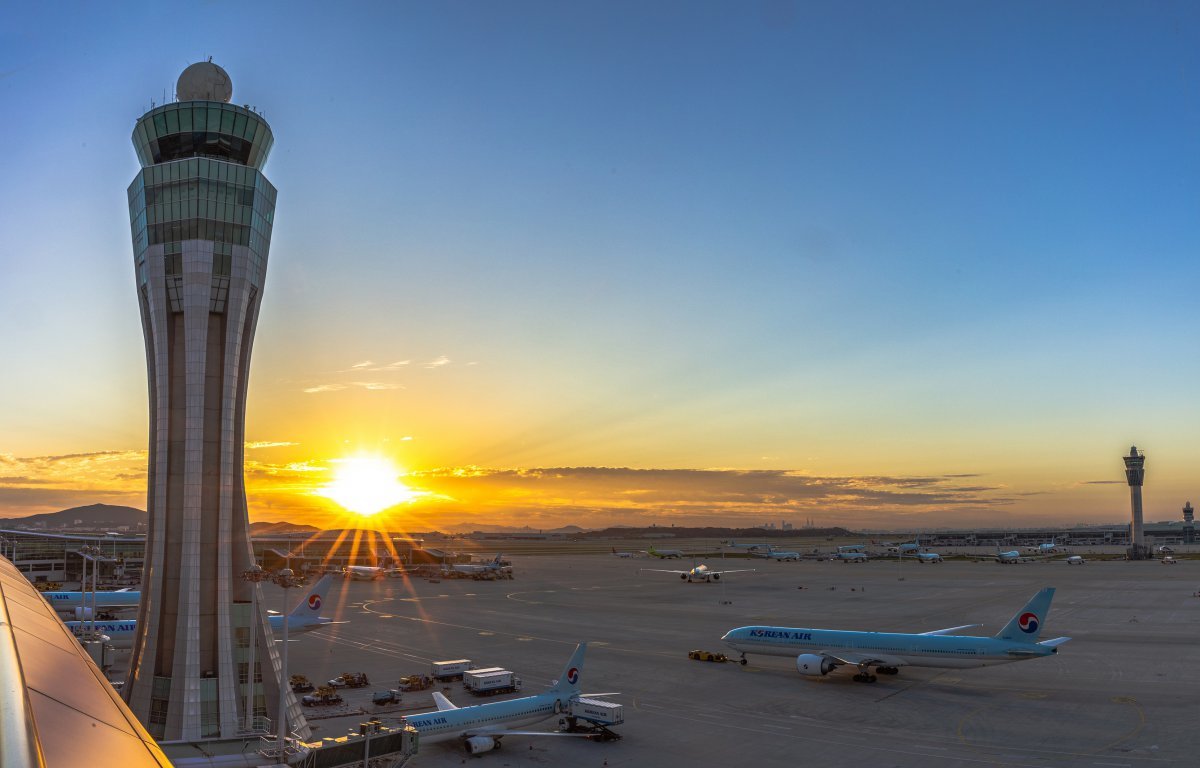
(366, 485)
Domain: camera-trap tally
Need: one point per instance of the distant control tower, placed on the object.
(1189, 526)
(201, 212)
(1135, 473)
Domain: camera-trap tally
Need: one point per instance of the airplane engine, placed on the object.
(478, 744)
(814, 664)
(683, 576)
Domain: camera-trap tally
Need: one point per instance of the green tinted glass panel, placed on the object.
(172, 116)
(214, 118)
(226, 121)
(185, 119)
(239, 124)
(199, 119)
(160, 124)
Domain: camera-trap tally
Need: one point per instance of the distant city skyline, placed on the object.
(619, 263)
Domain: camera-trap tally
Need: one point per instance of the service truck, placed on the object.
(596, 711)
(473, 673)
(449, 670)
(491, 683)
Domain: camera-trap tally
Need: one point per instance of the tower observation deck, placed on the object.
(201, 213)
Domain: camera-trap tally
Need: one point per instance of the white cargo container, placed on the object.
(449, 670)
(597, 711)
(471, 674)
(491, 683)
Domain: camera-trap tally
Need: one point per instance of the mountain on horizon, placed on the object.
(90, 516)
(281, 527)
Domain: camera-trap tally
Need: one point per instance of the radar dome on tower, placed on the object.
(204, 81)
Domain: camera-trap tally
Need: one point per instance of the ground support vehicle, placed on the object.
(449, 670)
(593, 716)
(707, 656)
(491, 683)
(323, 696)
(300, 684)
(416, 683)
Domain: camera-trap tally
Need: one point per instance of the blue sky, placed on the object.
(836, 239)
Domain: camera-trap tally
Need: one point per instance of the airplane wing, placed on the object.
(736, 570)
(498, 732)
(878, 659)
(661, 570)
(950, 630)
(442, 702)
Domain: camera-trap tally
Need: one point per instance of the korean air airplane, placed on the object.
(481, 727)
(820, 651)
(305, 617)
(74, 602)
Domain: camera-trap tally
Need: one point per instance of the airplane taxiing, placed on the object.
(1009, 557)
(928, 557)
(672, 554)
(766, 551)
(621, 554)
(699, 573)
(851, 557)
(481, 727)
(1076, 560)
(305, 617)
(820, 651)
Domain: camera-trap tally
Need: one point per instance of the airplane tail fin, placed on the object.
(310, 606)
(1026, 625)
(567, 683)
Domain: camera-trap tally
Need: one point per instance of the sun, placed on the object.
(366, 485)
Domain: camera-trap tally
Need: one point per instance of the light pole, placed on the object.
(256, 575)
(286, 579)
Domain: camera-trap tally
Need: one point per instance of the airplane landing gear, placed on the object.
(864, 674)
(742, 660)
(887, 670)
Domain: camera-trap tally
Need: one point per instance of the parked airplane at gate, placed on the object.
(364, 572)
(478, 568)
(820, 651)
(481, 727)
(673, 554)
(767, 551)
(305, 617)
(68, 602)
(699, 573)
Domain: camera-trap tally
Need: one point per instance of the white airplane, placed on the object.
(1076, 560)
(364, 572)
(852, 557)
(621, 554)
(74, 602)
(476, 568)
(698, 573)
(481, 727)
(673, 554)
(1165, 550)
(928, 557)
(1168, 560)
(1010, 557)
(305, 617)
(820, 651)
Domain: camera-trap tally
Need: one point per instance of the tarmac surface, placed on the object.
(1123, 692)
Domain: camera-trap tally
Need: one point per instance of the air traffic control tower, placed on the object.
(1135, 473)
(201, 213)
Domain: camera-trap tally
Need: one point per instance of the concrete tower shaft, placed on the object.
(201, 214)
(1135, 474)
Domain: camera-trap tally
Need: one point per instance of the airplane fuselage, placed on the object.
(895, 648)
(448, 724)
(120, 633)
(69, 601)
